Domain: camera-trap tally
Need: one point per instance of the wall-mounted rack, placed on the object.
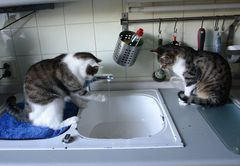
(236, 19)
(185, 7)
(24, 8)
(125, 21)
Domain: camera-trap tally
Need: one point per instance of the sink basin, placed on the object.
(138, 116)
(129, 119)
(122, 116)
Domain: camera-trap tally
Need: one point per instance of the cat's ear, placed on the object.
(154, 51)
(95, 62)
(98, 60)
(158, 51)
(96, 65)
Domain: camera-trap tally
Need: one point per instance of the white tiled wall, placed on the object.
(80, 37)
(26, 41)
(52, 39)
(93, 26)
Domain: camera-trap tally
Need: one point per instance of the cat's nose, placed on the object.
(163, 66)
(161, 59)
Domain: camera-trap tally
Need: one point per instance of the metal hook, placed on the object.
(216, 28)
(223, 28)
(159, 27)
(175, 26)
(202, 22)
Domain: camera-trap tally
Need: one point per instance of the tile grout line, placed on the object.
(125, 68)
(183, 25)
(65, 28)
(13, 44)
(21, 79)
(39, 41)
(94, 29)
(17, 67)
(153, 32)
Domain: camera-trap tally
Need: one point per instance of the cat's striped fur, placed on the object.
(207, 75)
(49, 81)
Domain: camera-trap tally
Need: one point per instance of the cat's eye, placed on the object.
(166, 57)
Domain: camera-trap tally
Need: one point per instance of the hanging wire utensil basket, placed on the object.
(125, 54)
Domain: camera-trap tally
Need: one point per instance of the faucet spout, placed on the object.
(107, 77)
(103, 77)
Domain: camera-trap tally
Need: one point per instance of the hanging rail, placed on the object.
(125, 21)
(32, 8)
(17, 20)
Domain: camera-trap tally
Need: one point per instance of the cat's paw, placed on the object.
(180, 98)
(68, 122)
(73, 119)
(100, 98)
(181, 95)
(181, 102)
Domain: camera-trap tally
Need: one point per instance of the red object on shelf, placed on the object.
(139, 32)
(136, 37)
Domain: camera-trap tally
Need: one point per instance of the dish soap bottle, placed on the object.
(135, 39)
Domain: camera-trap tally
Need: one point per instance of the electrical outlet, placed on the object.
(14, 78)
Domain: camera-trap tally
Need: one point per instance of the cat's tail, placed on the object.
(8, 104)
(199, 101)
(11, 107)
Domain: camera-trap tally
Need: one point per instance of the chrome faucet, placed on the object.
(100, 77)
(107, 77)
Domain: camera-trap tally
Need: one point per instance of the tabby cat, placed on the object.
(48, 82)
(206, 75)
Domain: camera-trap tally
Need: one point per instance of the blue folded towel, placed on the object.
(12, 129)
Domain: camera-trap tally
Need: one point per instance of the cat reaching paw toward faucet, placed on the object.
(49, 81)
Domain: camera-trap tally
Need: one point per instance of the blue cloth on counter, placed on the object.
(12, 129)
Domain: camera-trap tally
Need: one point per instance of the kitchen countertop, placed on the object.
(202, 147)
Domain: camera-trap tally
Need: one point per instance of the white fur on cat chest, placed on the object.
(179, 67)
